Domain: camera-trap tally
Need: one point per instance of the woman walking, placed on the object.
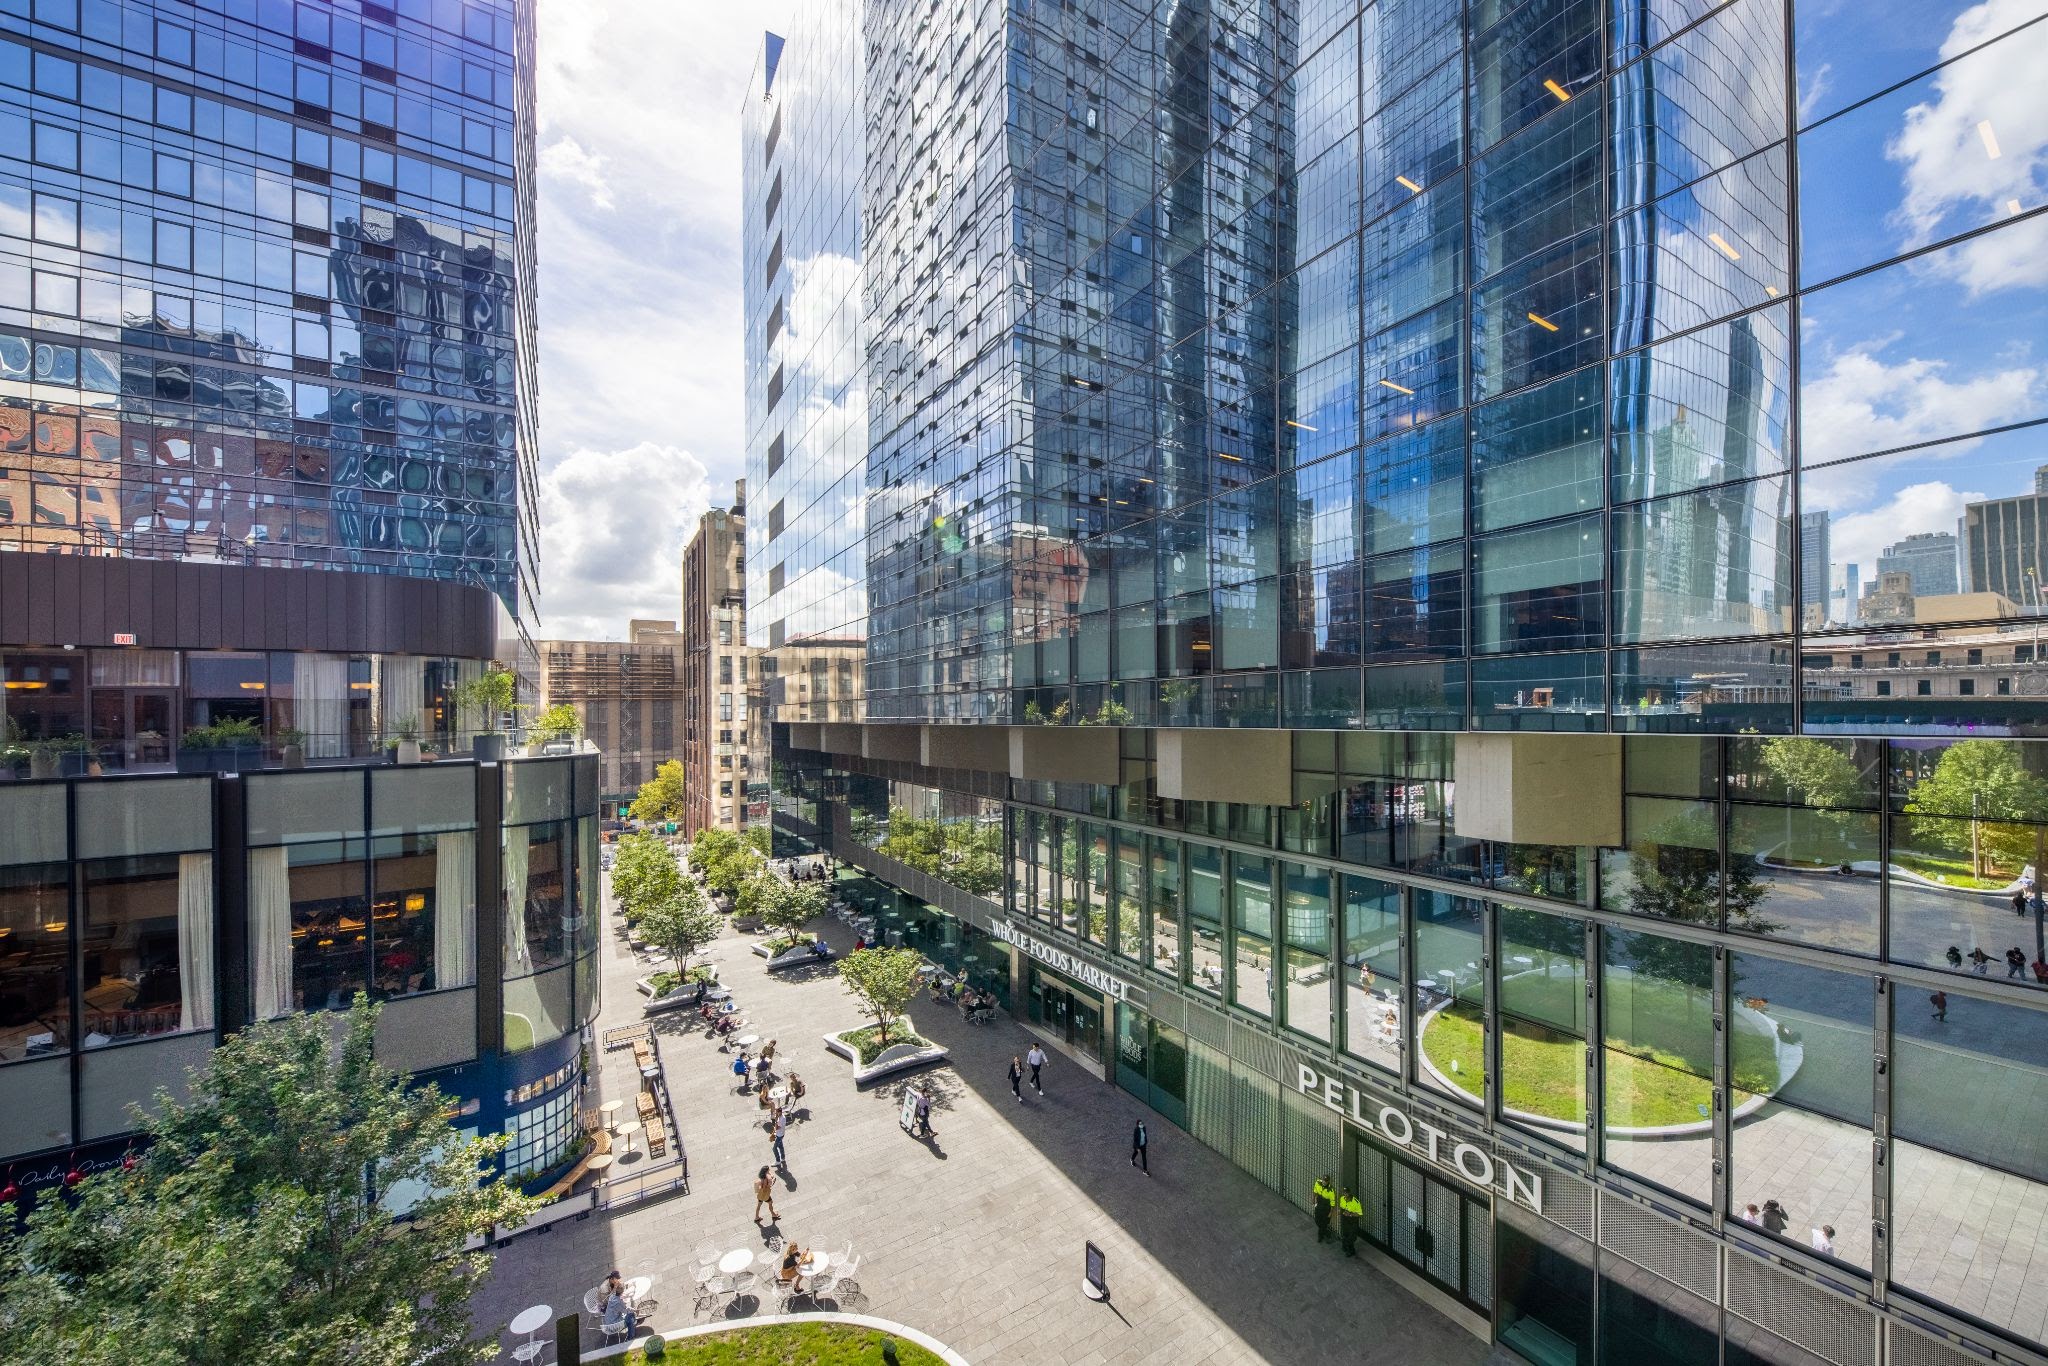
(1017, 1077)
(764, 1194)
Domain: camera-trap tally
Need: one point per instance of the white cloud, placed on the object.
(612, 528)
(1862, 404)
(566, 162)
(1987, 101)
(1858, 537)
(639, 286)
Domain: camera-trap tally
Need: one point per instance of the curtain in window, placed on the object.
(320, 703)
(270, 931)
(401, 691)
(195, 941)
(518, 961)
(454, 908)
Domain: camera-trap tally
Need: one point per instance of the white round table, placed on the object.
(817, 1262)
(747, 1040)
(609, 1109)
(651, 1070)
(531, 1320)
(626, 1132)
(779, 1094)
(736, 1261)
(601, 1163)
(718, 994)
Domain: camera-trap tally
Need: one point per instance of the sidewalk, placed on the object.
(975, 1236)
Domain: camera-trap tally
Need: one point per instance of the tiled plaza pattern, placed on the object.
(975, 1236)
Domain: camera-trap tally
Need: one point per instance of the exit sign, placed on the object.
(124, 637)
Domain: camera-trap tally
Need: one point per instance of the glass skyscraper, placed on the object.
(1373, 474)
(268, 414)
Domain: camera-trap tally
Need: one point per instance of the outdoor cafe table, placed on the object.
(736, 1261)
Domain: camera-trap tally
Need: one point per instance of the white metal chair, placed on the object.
(844, 1280)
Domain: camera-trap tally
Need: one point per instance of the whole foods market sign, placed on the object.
(1397, 1129)
(1059, 960)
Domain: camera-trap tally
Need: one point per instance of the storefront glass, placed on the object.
(1305, 927)
(1372, 971)
(1543, 1024)
(1450, 996)
(1252, 973)
(1065, 1010)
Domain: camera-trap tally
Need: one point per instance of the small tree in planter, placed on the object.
(729, 872)
(487, 698)
(883, 980)
(291, 747)
(679, 925)
(787, 907)
(559, 722)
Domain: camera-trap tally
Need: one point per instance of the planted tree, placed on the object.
(487, 698)
(661, 797)
(728, 872)
(559, 722)
(789, 906)
(1981, 799)
(680, 925)
(708, 846)
(260, 1225)
(644, 874)
(883, 981)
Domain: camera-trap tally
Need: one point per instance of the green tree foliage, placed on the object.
(1675, 874)
(559, 722)
(487, 697)
(254, 1230)
(661, 797)
(883, 981)
(1986, 793)
(644, 874)
(729, 872)
(759, 839)
(681, 923)
(789, 906)
(1815, 773)
(965, 852)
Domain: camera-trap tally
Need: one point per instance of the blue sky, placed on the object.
(640, 384)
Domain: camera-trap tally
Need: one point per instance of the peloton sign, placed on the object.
(1399, 1129)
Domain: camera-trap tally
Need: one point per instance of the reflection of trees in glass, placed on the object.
(965, 852)
(1815, 773)
(1984, 783)
(1676, 871)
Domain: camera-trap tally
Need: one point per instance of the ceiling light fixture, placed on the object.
(1721, 242)
(1407, 184)
(1990, 139)
(1397, 388)
(1554, 88)
(1542, 322)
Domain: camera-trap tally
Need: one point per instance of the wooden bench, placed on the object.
(567, 1184)
(657, 1136)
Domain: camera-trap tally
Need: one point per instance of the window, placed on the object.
(1450, 995)
(35, 980)
(1205, 918)
(1543, 1024)
(1659, 1042)
(145, 919)
(1371, 970)
(1305, 931)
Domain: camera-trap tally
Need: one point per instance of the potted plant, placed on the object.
(42, 759)
(489, 696)
(408, 738)
(556, 725)
(292, 746)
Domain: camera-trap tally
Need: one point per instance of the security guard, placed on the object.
(1325, 1199)
(1349, 1212)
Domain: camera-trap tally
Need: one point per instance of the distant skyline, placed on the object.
(640, 365)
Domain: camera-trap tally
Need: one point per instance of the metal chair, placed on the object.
(845, 1281)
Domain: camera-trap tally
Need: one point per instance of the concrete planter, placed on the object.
(681, 996)
(897, 1057)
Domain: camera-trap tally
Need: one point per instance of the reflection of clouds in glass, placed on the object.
(1862, 404)
(1980, 144)
(1859, 537)
(566, 160)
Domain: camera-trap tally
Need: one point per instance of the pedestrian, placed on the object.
(2015, 963)
(1824, 1239)
(1775, 1218)
(780, 1127)
(764, 1194)
(1139, 1142)
(1349, 1212)
(1036, 1057)
(2019, 901)
(1939, 1000)
(1322, 1199)
(860, 942)
(924, 1114)
(740, 1069)
(1980, 961)
(1017, 1078)
(1954, 956)
(1751, 1214)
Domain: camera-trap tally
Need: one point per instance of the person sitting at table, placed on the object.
(796, 1087)
(767, 1102)
(791, 1274)
(616, 1310)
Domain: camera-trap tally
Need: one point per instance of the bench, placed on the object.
(567, 1183)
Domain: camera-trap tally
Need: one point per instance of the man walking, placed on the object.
(1939, 1000)
(781, 1128)
(1349, 1212)
(1139, 1143)
(1017, 1078)
(1036, 1058)
(924, 1113)
(1323, 1199)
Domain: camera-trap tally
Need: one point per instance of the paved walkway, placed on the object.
(975, 1236)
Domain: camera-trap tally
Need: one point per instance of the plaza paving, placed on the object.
(974, 1236)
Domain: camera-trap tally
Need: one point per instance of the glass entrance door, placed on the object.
(1072, 1017)
(133, 726)
(1434, 1226)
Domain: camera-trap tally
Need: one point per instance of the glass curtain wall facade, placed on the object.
(265, 285)
(1419, 381)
